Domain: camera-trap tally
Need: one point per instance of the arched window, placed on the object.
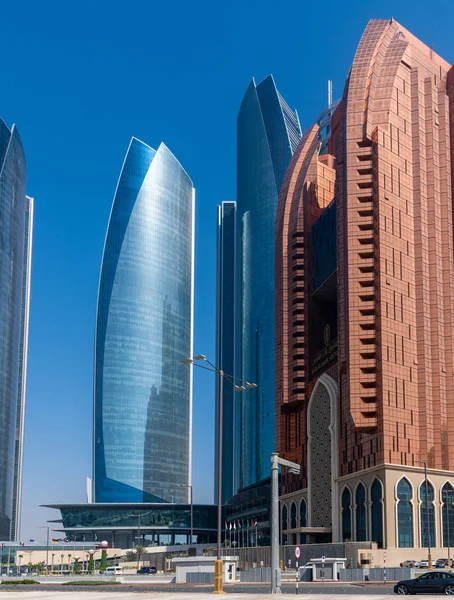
(427, 511)
(303, 513)
(293, 516)
(360, 501)
(284, 517)
(376, 496)
(404, 514)
(447, 498)
(346, 515)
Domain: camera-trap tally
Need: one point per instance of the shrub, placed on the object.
(91, 582)
(20, 582)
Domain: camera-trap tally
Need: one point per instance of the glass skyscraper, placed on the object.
(225, 346)
(268, 134)
(23, 359)
(16, 221)
(144, 328)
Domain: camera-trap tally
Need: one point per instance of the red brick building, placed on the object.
(365, 305)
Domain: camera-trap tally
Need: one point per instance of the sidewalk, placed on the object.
(96, 595)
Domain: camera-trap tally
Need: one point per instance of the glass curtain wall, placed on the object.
(12, 266)
(143, 394)
(268, 133)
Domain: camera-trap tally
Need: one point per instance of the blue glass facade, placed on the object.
(268, 133)
(324, 246)
(23, 356)
(143, 394)
(13, 257)
(225, 346)
(118, 524)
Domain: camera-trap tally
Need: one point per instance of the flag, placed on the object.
(230, 525)
(255, 523)
(248, 523)
(96, 537)
(3, 545)
(225, 525)
(234, 524)
(54, 541)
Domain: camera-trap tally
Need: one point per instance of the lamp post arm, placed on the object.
(214, 369)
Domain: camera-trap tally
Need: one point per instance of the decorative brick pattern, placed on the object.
(392, 151)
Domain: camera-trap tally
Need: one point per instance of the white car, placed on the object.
(424, 564)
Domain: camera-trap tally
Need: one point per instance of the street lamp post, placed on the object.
(294, 468)
(243, 385)
(47, 547)
(429, 555)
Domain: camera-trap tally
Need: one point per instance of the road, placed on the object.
(188, 591)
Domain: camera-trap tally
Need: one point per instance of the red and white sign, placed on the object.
(297, 552)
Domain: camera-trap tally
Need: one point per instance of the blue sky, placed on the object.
(81, 78)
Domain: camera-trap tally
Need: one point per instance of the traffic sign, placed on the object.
(323, 559)
(297, 552)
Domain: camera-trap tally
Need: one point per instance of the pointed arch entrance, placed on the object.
(322, 456)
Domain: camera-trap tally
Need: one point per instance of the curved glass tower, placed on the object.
(15, 229)
(144, 328)
(268, 134)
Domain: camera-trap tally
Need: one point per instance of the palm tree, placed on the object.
(140, 550)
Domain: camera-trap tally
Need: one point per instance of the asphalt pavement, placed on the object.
(170, 592)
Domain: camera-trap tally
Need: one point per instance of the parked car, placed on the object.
(441, 582)
(424, 564)
(441, 563)
(409, 564)
(146, 571)
(116, 570)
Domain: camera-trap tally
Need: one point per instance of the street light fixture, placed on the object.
(239, 385)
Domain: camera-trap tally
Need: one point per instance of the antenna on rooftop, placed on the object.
(330, 92)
